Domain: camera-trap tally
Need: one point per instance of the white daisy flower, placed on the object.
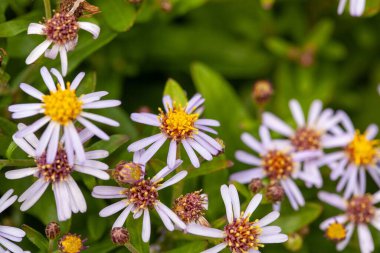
(61, 31)
(61, 109)
(192, 207)
(312, 135)
(140, 198)
(68, 196)
(357, 7)
(241, 234)
(8, 234)
(276, 161)
(359, 212)
(358, 154)
(181, 125)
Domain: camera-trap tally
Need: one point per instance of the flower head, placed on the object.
(140, 198)
(241, 234)
(191, 207)
(62, 31)
(181, 125)
(359, 212)
(276, 161)
(358, 154)
(61, 109)
(119, 235)
(52, 230)
(129, 172)
(71, 243)
(312, 136)
(9, 234)
(68, 197)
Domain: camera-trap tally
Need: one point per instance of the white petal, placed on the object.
(165, 171)
(102, 104)
(77, 80)
(37, 52)
(279, 238)
(172, 215)
(350, 230)
(342, 5)
(96, 130)
(28, 203)
(172, 153)
(371, 131)
(268, 219)
(253, 204)
(5, 198)
(297, 112)
(20, 173)
(30, 90)
(145, 118)
(53, 52)
(25, 146)
(93, 172)
(165, 219)
(96, 154)
(35, 28)
(190, 152)
(167, 102)
(16, 232)
(146, 226)
(25, 107)
(234, 200)
(140, 144)
(149, 153)
(77, 195)
(246, 176)
(91, 28)
(122, 217)
(48, 79)
(176, 178)
(75, 140)
(227, 202)
(247, 158)
(314, 111)
(365, 239)
(201, 150)
(270, 230)
(265, 137)
(296, 192)
(276, 124)
(10, 245)
(326, 223)
(208, 122)
(210, 140)
(216, 248)
(53, 144)
(333, 200)
(112, 209)
(197, 229)
(192, 102)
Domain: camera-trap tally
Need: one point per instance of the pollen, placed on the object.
(277, 165)
(62, 106)
(242, 235)
(143, 194)
(177, 124)
(360, 209)
(71, 243)
(336, 232)
(362, 151)
(61, 28)
(191, 207)
(59, 170)
(306, 139)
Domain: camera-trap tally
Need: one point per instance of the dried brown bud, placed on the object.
(275, 192)
(166, 5)
(307, 58)
(80, 8)
(191, 207)
(119, 236)
(256, 185)
(144, 109)
(52, 230)
(127, 172)
(262, 92)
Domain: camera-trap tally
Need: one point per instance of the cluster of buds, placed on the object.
(274, 192)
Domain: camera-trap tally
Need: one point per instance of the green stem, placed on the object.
(47, 9)
(131, 248)
(51, 245)
(17, 162)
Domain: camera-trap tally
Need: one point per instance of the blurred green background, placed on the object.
(219, 48)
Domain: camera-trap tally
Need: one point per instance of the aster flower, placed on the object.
(191, 208)
(312, 135)
(7, 233)
(61, 31)
(71, 243)
(241, 234)
(181, 125)
(68, 196)
(61, 109)
(140, 198)
(359, 153)
(276, 161)
(359, 212)
(357, 7)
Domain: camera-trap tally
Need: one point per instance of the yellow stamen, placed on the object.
(71, 244)
(336, 232)
(62, 106)
(178, 124)
(362, 151)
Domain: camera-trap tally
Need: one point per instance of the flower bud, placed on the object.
(256, 185)
(127, 173)
(294, 242)
(52, 230)
(191, 208)
(166, 5)
(275, 192)
(262, 92)
(119, 236)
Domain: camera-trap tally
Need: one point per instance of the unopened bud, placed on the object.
(144, 109)
(256, 185)
(127, 173)
(191, 208)
(294, 242)
(52, 230)
(119, 236)
(275, 192)
(262, 92)
(166, 5)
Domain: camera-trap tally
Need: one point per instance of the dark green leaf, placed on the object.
(207, 168)
(175, 91)
(119, 14)
(88, 84)
(36, 237)
(190, 248)
(19, 25)
(96, 227)
(111, 145)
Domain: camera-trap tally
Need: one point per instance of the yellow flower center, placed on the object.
(336, 232)
(362, 151)
(62, 106)
(178, 124)
(277, 165)
(71, 244)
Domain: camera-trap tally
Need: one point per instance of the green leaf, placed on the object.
(118, 14)
(190, 248)
(207, 168)
(175, 91)
(17, 163)
(36, 237)
(135, 229)
(111, 145)
(19, 25)
(12, 147)
(294, 221)
(88, 84)
(372, 8)
(96, 227)
(7, 127)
